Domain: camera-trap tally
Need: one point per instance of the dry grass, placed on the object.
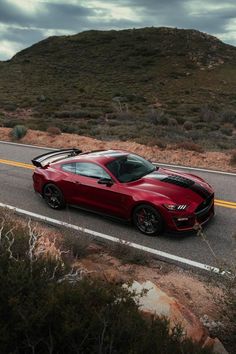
(171, 154)
(189, 145)
(53, 131)
(233, 158)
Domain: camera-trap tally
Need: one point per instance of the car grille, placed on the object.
(205, 210)
(205, 204)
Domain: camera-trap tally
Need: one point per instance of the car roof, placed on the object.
(100, 156)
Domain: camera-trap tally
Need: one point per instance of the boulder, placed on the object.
(155, 301)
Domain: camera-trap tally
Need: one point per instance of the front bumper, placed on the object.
(188, 222)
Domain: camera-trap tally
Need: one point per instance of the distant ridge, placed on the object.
(100, 73)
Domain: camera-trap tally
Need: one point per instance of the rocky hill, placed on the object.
(137, 78)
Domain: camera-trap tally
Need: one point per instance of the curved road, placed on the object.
(16, 190)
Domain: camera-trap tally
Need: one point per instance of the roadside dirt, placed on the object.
(209, 159)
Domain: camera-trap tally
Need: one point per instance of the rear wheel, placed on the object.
(148, 220)
(53, 196)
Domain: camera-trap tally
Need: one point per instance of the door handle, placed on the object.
(76, 182)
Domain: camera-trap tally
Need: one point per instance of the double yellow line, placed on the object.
(221, 203)
(17, 164)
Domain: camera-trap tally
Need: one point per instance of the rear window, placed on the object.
(69, 167)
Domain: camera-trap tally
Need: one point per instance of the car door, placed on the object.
(87, 192)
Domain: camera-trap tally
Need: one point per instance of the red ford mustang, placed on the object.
(126, 186)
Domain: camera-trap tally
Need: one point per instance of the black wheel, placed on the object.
(53, 196)
(148, 220)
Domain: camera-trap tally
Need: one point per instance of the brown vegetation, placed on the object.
(209, 159)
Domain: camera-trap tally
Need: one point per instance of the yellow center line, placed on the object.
(231, 206)
(218, 202)
(225, 202)
(17, 164)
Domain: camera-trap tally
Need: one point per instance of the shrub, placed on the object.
(43, 309)
(228, 117)
(53, 131)
(207, 114)
(156, 142)
(10, 107)
(155, 117)
(189, 145)
(188, 125)
(127, 254)
(233, 158)
(18, 132)
(227, 129)
(173, 122)
(76, 243)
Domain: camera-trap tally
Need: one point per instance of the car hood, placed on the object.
(175, 185)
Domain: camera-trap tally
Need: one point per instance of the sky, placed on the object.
(25, 22)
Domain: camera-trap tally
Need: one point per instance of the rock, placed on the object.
(155, 301)
(216, 346)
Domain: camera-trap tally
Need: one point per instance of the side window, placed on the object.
(92, 170)
(69, 167)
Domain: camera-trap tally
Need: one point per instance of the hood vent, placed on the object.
(179, 181)
(187, 183)
(182, 182)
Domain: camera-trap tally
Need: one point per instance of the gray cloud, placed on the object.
(9, 13)
(48, 15)
(23, 36)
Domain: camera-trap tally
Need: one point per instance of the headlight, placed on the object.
(176, 207)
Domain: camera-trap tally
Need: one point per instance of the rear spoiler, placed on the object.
(45, 159)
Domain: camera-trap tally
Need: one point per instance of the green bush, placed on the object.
(188, 125)
(18, 132)
(76, 243)
(46, 308)
(127, 254)
(227, 130)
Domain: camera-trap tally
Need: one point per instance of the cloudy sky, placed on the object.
(24, 22)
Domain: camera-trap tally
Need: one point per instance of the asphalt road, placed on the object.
(16, 190)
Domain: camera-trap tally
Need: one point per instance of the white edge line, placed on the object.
(152, 251)
(195, 169)
(27, 145)
(154, 163)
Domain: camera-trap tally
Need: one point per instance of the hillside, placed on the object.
(140, 84)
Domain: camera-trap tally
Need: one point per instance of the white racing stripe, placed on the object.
(154, 252)
(154, 163)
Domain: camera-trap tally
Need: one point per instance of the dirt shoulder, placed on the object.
(209, 159)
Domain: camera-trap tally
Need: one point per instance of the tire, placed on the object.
(148, 220)
(53, 196)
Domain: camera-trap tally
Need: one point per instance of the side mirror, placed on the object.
(107, 181)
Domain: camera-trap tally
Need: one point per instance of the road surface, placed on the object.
(16, 190)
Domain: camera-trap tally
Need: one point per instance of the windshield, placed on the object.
(130, 168)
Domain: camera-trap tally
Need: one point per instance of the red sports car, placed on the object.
(124, 185)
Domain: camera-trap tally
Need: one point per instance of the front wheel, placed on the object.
(148, 220)
(53, 196)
